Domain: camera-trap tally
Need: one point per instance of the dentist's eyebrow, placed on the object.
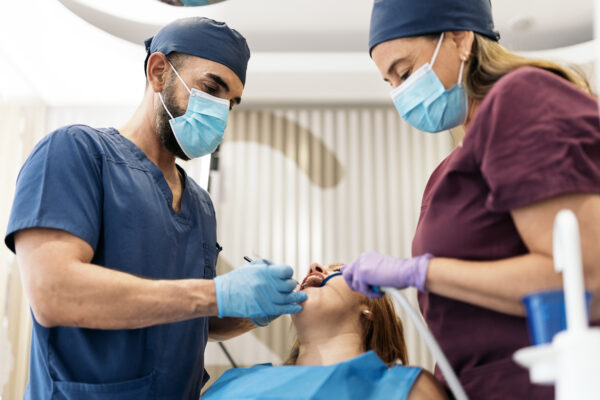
(219, 81)
(392, 67)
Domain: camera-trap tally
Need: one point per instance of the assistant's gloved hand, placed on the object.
(375, 269)
(258, 291)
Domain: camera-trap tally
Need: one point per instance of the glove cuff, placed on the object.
(421, 271)
(220, 295)
(256, 321)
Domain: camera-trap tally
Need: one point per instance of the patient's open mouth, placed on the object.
(313, 279)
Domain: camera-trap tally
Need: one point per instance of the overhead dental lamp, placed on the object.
(137, 20)
(190, 3)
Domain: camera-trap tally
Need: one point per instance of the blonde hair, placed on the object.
(490, 61)
(382, 332)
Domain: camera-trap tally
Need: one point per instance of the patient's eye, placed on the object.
(337, 269)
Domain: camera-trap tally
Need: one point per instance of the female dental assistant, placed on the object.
(484, 237)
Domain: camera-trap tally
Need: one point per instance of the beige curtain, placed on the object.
(21, 125)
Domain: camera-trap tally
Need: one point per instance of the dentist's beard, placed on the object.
(163, 128)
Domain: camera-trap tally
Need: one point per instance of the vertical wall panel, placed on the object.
(316, 168)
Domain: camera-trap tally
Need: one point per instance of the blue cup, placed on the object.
(546, 315)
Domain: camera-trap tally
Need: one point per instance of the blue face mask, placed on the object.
(200, 130)
(423, 102)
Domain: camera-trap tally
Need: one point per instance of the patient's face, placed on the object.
(334, 300)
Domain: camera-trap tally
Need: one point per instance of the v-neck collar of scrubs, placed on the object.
(184, 210)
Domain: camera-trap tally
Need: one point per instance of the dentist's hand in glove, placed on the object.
(375, 269)
(258, 291)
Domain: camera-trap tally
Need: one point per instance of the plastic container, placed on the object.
(546, 315)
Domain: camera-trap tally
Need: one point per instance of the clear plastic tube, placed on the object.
(434, 347)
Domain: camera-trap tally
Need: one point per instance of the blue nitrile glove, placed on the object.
(375, 269)
(263, 321)
(258, 291)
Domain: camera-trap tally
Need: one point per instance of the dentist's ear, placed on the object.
(157, 71)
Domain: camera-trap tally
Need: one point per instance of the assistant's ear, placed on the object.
(157, 71)
(464, 43)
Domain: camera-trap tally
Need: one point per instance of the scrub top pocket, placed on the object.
(211, 254)
(134, 389)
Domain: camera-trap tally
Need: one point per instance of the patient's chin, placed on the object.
(310, 306)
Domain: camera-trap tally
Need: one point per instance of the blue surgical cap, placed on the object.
(205, 38)
(394, 19)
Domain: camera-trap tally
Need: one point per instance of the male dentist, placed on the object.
(117, 245)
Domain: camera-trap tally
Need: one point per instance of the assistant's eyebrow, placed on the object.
(392, 67)
(219, 81)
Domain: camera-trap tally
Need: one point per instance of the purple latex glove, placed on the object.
(375, 269)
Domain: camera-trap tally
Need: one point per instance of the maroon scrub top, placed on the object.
(534, 137)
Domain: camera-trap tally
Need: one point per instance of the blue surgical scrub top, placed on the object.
(99, 186)
(365, 377)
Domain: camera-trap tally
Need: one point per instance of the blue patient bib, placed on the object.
(365, 377)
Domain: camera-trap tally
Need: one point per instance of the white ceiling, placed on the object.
(50, 51)
(323, 25)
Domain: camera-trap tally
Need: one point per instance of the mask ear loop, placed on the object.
(182, 81)
(459, 84)
(460, 72)
(160, 94)
(437, 49)
(165, 106)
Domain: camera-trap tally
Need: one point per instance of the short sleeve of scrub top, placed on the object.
(535, 136)
(60, 187)
(540, 142)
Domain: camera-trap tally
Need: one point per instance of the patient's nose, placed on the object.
(316, 267)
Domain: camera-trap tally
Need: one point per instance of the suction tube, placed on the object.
(329, 277)
(451, 379)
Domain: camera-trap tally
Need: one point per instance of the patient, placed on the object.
(348, 347)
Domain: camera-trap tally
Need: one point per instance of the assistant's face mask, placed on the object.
(200, 130)
(423, 102)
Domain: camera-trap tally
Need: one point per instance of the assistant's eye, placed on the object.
(405, 75)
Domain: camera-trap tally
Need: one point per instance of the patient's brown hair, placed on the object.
(382, 332)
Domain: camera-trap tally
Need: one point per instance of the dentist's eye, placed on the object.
(210, 89)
